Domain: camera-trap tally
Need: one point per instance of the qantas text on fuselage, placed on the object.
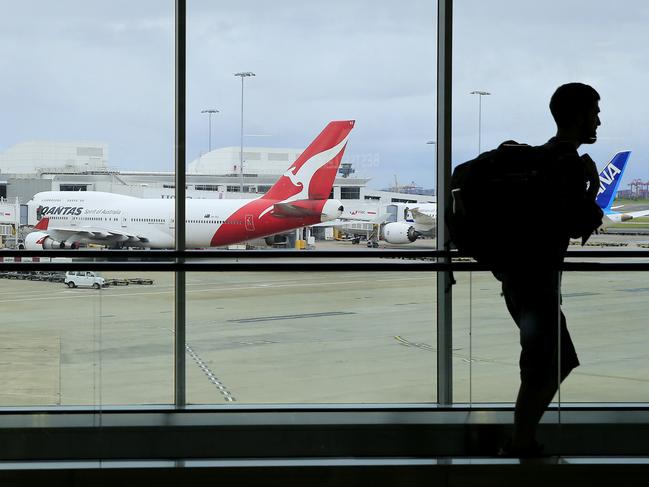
(299, 198)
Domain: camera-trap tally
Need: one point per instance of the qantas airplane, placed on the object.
(421, 220)
(299, 198)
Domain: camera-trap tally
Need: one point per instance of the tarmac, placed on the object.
(306, 337)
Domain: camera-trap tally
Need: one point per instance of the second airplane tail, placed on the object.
(610, 178)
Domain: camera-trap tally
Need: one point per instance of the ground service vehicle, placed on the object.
(84, 279)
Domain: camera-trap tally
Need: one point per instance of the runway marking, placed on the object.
(210, 375)
(578, 295)
(423, 346)
(408, 343)
(635, 290)
(207, 371)
(291, 317)
(430, 277)
(256, 342)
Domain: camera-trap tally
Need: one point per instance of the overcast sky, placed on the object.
(103, 71)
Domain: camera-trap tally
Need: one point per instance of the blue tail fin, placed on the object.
(610, 178)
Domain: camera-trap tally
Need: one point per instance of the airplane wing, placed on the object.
(616, 216)
(295, 209)
(61, 233)
(64, 233)
(421, 218)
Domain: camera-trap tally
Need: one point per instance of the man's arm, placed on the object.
(580, 187)
(592, 176)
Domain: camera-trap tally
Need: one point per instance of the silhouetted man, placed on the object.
(533, 294)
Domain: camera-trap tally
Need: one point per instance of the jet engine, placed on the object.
(42, 241)
(399, 233)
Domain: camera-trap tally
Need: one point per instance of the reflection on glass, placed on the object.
(310, 338)
(77, 345)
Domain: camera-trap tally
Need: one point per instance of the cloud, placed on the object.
(105, 71)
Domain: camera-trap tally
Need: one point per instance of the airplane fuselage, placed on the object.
(116, 219)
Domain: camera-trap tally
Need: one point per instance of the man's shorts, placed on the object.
(534, 302)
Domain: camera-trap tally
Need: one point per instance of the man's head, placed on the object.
(575, 108)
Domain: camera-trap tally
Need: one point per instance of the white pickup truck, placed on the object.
(84, 278)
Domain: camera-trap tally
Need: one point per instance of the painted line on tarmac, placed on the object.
(408, 343)
(291, 317)
(423, 346)
(430, 278)
(210, 375)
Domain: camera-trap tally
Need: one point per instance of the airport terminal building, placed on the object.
(31, 167)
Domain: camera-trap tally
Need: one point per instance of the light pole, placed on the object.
(480, 95)
(209, 112)
(242, 75)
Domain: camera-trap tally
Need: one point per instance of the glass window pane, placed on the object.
(71, 344)
(507, 64)
(606, 314)
(519, 56)
(264, 80)
(311, 337)
(89, 90)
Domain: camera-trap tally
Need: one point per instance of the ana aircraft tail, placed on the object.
(610, 178)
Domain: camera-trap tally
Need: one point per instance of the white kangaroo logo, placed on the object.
(301, 177)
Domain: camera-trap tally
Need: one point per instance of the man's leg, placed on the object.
(532, 401)
(535, 395)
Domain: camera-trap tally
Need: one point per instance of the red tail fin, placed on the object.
(42, 224)
(312, 174)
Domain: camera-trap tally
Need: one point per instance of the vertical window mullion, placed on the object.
(180, 396)
(444, 291)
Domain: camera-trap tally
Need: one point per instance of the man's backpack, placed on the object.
(499, 202)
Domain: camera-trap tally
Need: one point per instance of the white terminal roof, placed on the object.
(256, 160)
(40, 156)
